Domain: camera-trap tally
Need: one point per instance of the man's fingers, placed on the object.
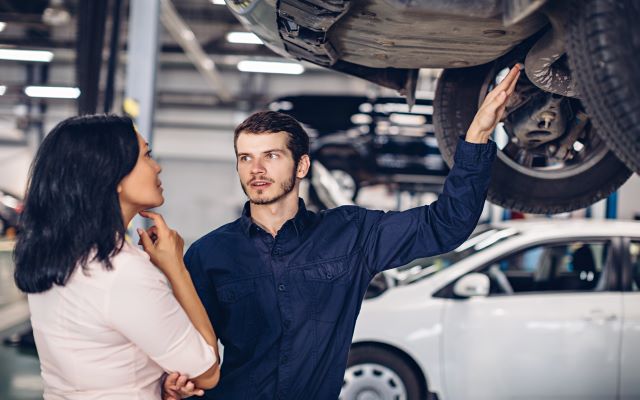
(512, 87)
(508, 80)
(497, 102)
(507, 83)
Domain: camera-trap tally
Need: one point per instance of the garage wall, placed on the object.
(629, 199)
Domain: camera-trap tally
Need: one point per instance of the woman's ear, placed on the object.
(119, 188)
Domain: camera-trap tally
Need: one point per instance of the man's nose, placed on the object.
(257, 167)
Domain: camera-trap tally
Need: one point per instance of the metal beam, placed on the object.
(182, 34)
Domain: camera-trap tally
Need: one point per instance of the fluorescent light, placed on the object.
(26, 55)
(243, 37)
(407, 119)
(218, 2)
(2, 26)
(52, 92)
(270, 67)
(3, 89)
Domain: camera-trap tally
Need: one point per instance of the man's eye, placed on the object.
(272, 156)
(148, 154)
(244, 158)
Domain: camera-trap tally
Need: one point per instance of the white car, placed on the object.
(522, 310)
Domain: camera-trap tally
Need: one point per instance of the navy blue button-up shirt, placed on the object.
(285, 308)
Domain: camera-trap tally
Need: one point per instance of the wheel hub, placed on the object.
(372, 382)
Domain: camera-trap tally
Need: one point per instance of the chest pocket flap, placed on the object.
(235, 291)
(327, 272)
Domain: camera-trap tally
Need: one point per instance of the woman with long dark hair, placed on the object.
(107, 322)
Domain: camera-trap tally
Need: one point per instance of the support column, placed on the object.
(142, 58)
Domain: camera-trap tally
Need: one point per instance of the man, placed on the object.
(283, 286)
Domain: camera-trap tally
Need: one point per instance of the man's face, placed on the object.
(265, 166)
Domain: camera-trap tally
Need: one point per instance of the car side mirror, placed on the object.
(472, 285)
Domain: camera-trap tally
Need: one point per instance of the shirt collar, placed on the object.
(300, 221)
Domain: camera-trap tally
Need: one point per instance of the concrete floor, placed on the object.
(19, 367)
(19, 370)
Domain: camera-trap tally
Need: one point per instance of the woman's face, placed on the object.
(141, 189)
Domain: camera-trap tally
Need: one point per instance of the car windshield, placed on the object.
(482, 238)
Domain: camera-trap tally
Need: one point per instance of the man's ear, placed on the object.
(303, 166)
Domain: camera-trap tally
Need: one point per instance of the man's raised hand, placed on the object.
(492, 109)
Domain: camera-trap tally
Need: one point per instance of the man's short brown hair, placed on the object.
(272, 122)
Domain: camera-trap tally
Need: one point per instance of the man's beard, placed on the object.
(285, 188)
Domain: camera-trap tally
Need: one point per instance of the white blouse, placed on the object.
(112, 334)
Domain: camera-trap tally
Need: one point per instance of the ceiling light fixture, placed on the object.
(52, 92)
(26, 55)
(218, 2)
(3, 90)
(270, 67)
(2, 26)
(243, 37)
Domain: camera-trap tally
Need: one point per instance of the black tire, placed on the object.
(412, 379)
(458, 95)
(603, 42)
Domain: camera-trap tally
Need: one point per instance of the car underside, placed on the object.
(561, 146)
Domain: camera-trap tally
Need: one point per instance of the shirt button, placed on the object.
(329, 276)
(281, 287)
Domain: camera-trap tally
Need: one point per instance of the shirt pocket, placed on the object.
(328, 286)
(239, 307)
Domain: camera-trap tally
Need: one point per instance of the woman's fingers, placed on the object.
(147, 243)
(157, 219)
(182, 380)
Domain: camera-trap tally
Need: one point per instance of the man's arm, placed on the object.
(397, 238)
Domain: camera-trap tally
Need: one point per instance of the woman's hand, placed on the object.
(164, 245)
(492, 109)
(176, 386)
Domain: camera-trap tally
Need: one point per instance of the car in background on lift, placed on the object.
(571, 132)
(546, 309)
(365, 141)
(10, 209)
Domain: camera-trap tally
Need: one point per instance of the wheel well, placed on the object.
(424, 385)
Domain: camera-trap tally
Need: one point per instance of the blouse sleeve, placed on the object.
(142, 307)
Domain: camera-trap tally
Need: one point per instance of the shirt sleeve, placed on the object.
(396, 238)
(143, 308)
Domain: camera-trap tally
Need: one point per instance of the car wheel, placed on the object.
(374, 373)
(603, 44)
(545, 167)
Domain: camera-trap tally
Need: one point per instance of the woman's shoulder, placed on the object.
(131, 261)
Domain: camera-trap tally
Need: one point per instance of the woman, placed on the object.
(107, 323)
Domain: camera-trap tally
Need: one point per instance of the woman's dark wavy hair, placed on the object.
(72, 213)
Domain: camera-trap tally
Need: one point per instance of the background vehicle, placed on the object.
(579, 96)
(526, 310)
(10, 208)
(368, 141)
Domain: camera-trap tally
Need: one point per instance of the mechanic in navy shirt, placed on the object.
(283, 285)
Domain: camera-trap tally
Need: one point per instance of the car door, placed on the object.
(548, 330)
(630, 350)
